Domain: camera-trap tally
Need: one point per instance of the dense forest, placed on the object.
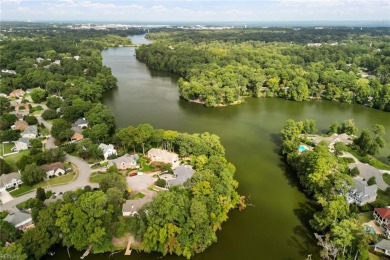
(222, 67)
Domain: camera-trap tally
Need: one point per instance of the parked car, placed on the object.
(68, 170)
(133, 174)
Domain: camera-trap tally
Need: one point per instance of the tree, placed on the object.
(38, 95)
(54, 102)
(99, 133)
(8, 233)
(334, 128)
(50, 114)
(41, 194)
(114, 180)
(349, 127)
(15, 250)
(31, 120)
(4, 104)
(61, 129)
(33, 174)
(86, 222)
(4, 167)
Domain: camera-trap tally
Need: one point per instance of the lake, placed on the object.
(274, 225)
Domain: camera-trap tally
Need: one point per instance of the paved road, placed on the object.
(81, 181)
(367, 171)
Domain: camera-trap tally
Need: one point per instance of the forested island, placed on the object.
(222, 67)
(52, 80)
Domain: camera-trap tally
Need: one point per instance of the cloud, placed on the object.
(159, 9)
(97, 5)
(12, 1)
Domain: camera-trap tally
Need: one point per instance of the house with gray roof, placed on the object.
(383, 246)
(126, 161)
(20, 219)
(181, 173)
(108, 150)
(81, 122)
(131, 207)
(10, 180)
(30, 132)
(362, 193)
(21, 144)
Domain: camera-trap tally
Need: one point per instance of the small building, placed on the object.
(160, 155)
(21, 144)
(126, 161)
(77, 137)
(20, 125)
(131, 207)
(362, 194)
(8, 71)
(181, 173)
(108, 150)
(30, 132)
(17, 93)
(383, 246)
(53, 198)
(10, 180)
(81, 122)
(20, 219)
(382, 217)
(54, 169)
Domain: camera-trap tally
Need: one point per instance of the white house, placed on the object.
(10, 180)
(108, 150)
(30, 132)
(362, 193)
(54, 169)
(383, 246)
(21, 144)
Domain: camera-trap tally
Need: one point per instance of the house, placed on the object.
(382, 217)
(182, 173)
(39, 59)
(131, 207)
(160, 155)
(56, 62)
(81, 122)
(20, 219)
(54, 169)
(126, 161)
(53, 198)
(77, 137)
(333, 139)
(17, 93)
(108, 150)
(362, 193)
(20, 125)
(21, 144)
(10, 180)
(8, 71)
(383, 246)
(30, 132)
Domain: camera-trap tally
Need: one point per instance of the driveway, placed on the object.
(5, 196)
(367, 171)
(140, 182)
(81, 181)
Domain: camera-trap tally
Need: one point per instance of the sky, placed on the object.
(194, 10)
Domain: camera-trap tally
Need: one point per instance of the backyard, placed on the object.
(6, 148)
(12, 159)
(96, 177)
(51, 182)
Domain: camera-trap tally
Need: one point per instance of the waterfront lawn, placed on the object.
(12, 159)
(96, 177)
(386, 178)
(373, 161)
(51, 182)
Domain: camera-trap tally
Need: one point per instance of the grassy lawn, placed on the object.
(145, 167)
(6, 147)
(383, 195)
(51, 182)
(138, 195)
(12, 159)
(96, 177)
(44, 131)
(386, 178)
(373, 257)
(373, 161)
(365, 217)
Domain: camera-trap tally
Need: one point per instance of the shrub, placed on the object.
(371, 181)
(354, 171)
(161, 183)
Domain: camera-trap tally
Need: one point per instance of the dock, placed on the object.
(128, 249)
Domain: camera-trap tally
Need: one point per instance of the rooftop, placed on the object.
(53, 166)
(6, 178)
(17, 217)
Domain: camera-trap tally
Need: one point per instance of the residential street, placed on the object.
(80, 182)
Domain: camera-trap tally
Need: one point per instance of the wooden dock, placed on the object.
(128, 249)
